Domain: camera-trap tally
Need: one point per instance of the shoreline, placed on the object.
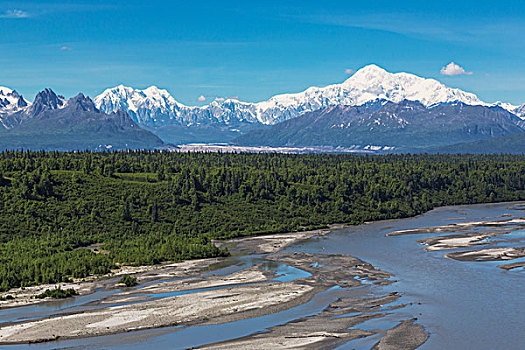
(248, 293)
(25, 296)
(257, 285)
(95, 282)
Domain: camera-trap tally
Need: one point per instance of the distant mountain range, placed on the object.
(156, 107)
(53, 123)
(387, 126)
(372, 108)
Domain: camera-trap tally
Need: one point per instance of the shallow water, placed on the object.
(463, 305)
(53, 307)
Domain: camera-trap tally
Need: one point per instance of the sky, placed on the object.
(251, 50)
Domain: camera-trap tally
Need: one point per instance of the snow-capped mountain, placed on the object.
(225, 120)
(405, 126)
(156, 107)
(145, 106)
(10, 102)
(517, 110)
(52, 122)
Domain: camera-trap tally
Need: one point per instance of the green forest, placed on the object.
(71, 215)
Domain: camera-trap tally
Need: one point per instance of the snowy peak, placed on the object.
(373, 82)
(11, 101)
(143, 105)
(155, 107)
(368, 73)
(115, 98)
(370, 83)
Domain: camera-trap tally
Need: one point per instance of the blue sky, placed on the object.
(255, 49)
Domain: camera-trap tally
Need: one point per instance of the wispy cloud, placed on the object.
(65, 48)
(349, 71)
(453, 69)
(14, 13)
(44, 8)
(479, 31)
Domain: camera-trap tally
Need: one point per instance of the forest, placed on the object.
(67, 216)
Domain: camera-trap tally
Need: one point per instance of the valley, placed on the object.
(345, 175)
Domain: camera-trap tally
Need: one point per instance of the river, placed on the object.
(461, 304)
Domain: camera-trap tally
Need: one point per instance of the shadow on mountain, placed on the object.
(52, 123)
(402, 127)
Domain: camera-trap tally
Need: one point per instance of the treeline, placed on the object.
(71, 215)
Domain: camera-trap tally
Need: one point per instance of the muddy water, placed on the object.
(463, 305)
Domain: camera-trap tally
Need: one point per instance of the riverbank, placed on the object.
(262, 244)
(256, 244)
(281, 281)
(27, 295)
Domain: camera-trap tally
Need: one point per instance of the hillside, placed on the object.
(511, 144)
(404, 126)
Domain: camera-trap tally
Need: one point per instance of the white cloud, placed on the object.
(220, 99)
(201, 98)
(14, 14)
(66, 48)
(453, 69)
(349, 71)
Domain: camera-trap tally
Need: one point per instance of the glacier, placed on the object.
(156, 107)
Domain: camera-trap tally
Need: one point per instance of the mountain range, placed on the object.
(406, 126)
(372, 108)
(156, 107)
(51, 122)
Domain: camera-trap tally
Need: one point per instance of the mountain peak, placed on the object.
(154, 106)
(11, 101)
(4, 91)
(121, 90)
(373, 82)
(144, 106)
(155, 89)
(372, 69)
(368, 73)
(47, 99)
(156, 93)
(81, 102)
